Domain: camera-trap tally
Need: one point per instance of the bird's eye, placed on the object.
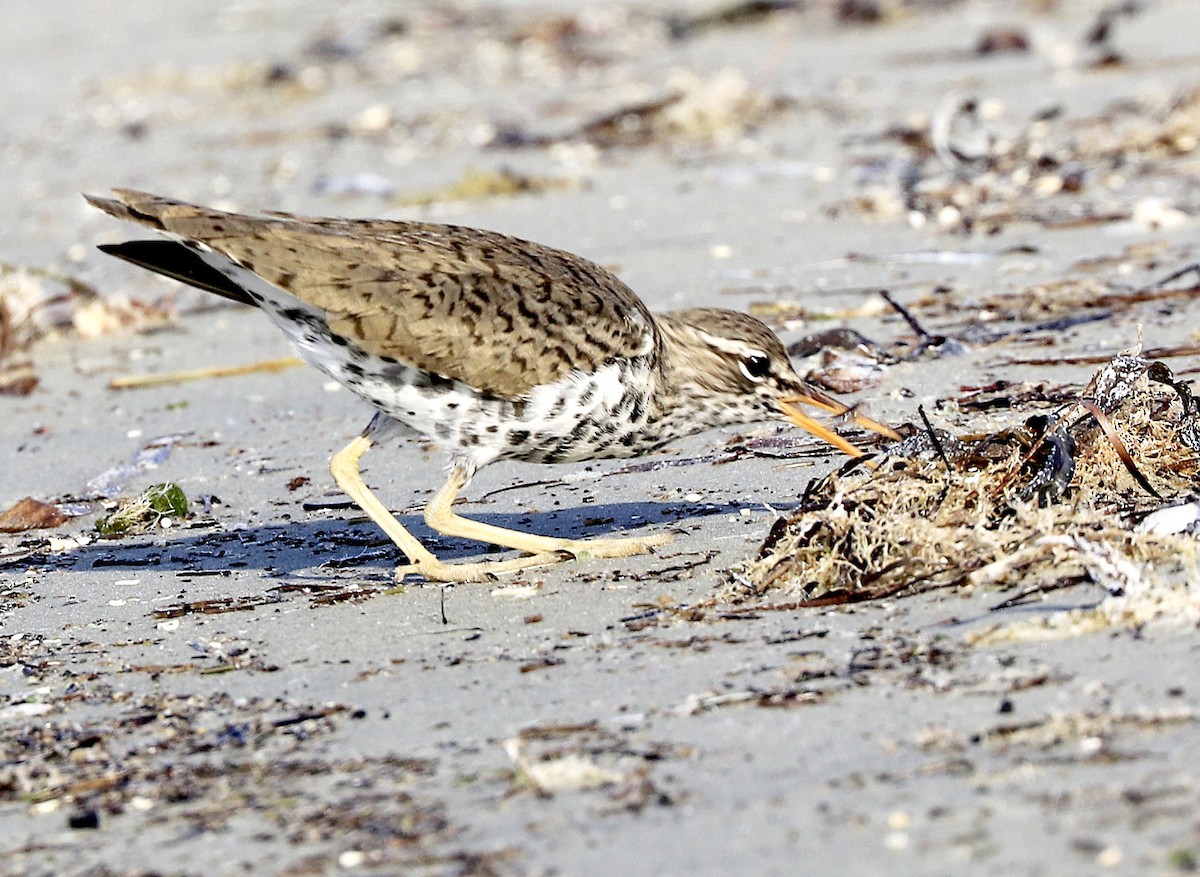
(755, 367)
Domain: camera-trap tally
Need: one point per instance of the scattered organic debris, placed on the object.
(969, 169)
(713, 111)
(1094, 358)
(28, 310)
(17, 378)
(35, 302)
(216, 606)
(555, 759)
(119, 313)
(1058, 731)
(156, 506)
(129, 382)
(477, 185)
(1001, 39)
(684, 26)
(845, 361)
(31, 514)
(1044, 504)
(1073, 295)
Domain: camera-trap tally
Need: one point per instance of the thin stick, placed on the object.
(1110, 433)
(131, 382)
(906, 316)
(941, 452)
(1094, 358)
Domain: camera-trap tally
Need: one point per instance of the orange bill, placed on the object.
(814, 397)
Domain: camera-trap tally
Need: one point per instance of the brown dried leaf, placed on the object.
(31, 514)
(17, 379)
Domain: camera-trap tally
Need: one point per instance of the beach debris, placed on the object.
(1172, 519)
(31, 514)
(847, 371)
(215, 606)
(743, 12)
(1052, 501)
(105, 315)
(971, 167)
(1002, 39)
(17, 378)
(566, 773)
(699, 110)
(156, 506)
(1038, 313)
(552, 759)
(479, 185)
(131, 382)
(36, 302)
(842, 360)
(111, 482)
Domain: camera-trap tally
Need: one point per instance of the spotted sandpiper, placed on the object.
(494, 347)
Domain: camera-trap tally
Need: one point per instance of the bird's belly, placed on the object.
(583, 416)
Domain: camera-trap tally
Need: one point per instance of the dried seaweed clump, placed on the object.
(1054, 501)
(155, 506)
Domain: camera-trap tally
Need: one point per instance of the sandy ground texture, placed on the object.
(246, 691)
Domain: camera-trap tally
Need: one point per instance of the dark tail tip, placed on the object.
(179, 262)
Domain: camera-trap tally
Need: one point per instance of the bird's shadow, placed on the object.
(345, 541)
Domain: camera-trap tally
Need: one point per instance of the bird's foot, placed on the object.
(434, 570)
(583, 549)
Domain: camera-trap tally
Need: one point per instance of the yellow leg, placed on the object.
(440, 515)
(543, 551)
(345, 471)
(344, 467)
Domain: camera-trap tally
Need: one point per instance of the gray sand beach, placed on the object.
(249, 691)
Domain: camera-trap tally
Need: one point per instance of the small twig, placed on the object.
(1193, 268)
(907, 317)
(1141, 296)
(974, 334)
(1025, 593)
(130, 382)
(1095, 358)
(941, 452)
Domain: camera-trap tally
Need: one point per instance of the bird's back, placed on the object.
(499, 314)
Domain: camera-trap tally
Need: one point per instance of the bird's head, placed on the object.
(726, 367)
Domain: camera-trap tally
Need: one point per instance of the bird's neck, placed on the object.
(683, 401)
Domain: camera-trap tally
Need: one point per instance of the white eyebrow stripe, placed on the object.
(729, 345)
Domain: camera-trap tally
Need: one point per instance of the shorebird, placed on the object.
(493, 347)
